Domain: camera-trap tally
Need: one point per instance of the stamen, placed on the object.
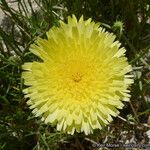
(77, 77)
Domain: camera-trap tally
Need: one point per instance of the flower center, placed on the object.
(77, 77)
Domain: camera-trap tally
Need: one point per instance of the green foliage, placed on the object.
(128, 19)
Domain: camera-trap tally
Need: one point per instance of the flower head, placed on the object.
(118, 25)
(82, 80)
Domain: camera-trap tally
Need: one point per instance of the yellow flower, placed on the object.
(82, 80)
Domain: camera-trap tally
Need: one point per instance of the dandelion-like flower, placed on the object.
(82, 81)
